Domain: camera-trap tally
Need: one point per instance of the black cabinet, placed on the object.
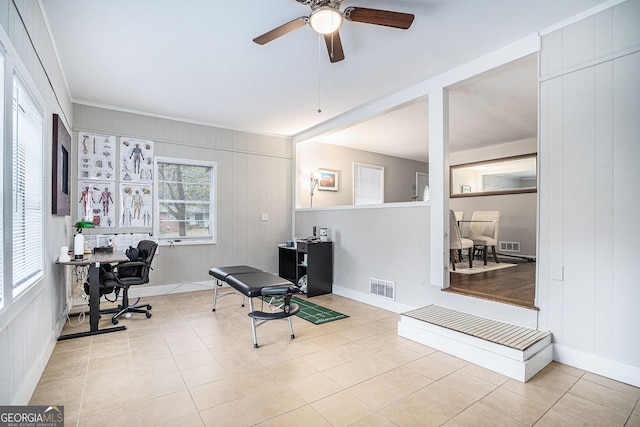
(315, 260)
(287, 263)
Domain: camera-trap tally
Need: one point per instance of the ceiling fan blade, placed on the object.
(379, 17)
(281, 30)
(334, 46)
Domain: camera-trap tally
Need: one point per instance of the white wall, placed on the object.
(253, 177)
(588, 290)
(518, 212)
(29, 326)
(389, 242)
(518, 217)
(399, 174)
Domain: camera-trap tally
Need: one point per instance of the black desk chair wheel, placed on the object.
(127, 274)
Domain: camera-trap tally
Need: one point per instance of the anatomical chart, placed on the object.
(136, 205)
(96, 202)
(96, 157)
(136, 160)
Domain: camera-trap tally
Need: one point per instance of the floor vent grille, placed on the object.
(383, 288)
(510, 246)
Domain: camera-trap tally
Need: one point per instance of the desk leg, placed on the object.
(94, 296)
(94, 307)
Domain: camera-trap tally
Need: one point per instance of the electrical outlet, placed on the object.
(264, 217)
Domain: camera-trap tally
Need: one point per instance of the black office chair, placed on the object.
(127, 274)
(103, 289)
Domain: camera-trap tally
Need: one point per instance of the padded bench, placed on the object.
(251, 282)
(221, 274)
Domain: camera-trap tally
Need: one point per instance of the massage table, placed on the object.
(251, 282)
(221, 274)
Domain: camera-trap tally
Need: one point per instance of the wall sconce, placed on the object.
(314, 178)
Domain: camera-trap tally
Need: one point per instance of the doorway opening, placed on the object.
(494, 116)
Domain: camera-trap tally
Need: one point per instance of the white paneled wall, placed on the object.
(588, 290)
(29, 327)
(253, 177)
(625, 230)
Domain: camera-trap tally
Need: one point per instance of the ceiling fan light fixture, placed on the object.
(325, 19)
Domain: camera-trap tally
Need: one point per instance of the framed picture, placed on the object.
(466, 189)
(60, 182)
(328, 180)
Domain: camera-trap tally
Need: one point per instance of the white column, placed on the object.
(439, 184)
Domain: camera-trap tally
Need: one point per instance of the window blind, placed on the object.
(1, 181)
(27, 188)
(368, 184)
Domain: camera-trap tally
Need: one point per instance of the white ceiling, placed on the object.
(194, 60)
(499, 107)
(495, 108)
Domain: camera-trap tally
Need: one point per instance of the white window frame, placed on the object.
(35, 229)
(212, 239)
(356, 185)
(2, 167)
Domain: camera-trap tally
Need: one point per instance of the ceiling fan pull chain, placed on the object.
(320, 39)
(332, 55)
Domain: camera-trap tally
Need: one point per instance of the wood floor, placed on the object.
(514, 285)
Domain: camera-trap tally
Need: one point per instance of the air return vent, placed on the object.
(510, 246)
(383, 288)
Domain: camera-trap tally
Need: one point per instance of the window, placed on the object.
(368, 184)
(185, 208)
(1, 181)
(27, 209)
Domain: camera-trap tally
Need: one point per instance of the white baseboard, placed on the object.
(150, 291)
(373, 300)
(613, 369)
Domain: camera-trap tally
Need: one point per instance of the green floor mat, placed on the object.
(313, 312)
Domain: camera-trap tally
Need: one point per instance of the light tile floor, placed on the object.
(189, 366)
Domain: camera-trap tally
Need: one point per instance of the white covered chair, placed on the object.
(457, 242)
(483, 231)
(459, 219)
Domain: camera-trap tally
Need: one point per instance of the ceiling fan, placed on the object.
(326, 19)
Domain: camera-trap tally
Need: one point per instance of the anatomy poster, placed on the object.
(135, 205)
(96, 156)
(136, 160)
(96, 202)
